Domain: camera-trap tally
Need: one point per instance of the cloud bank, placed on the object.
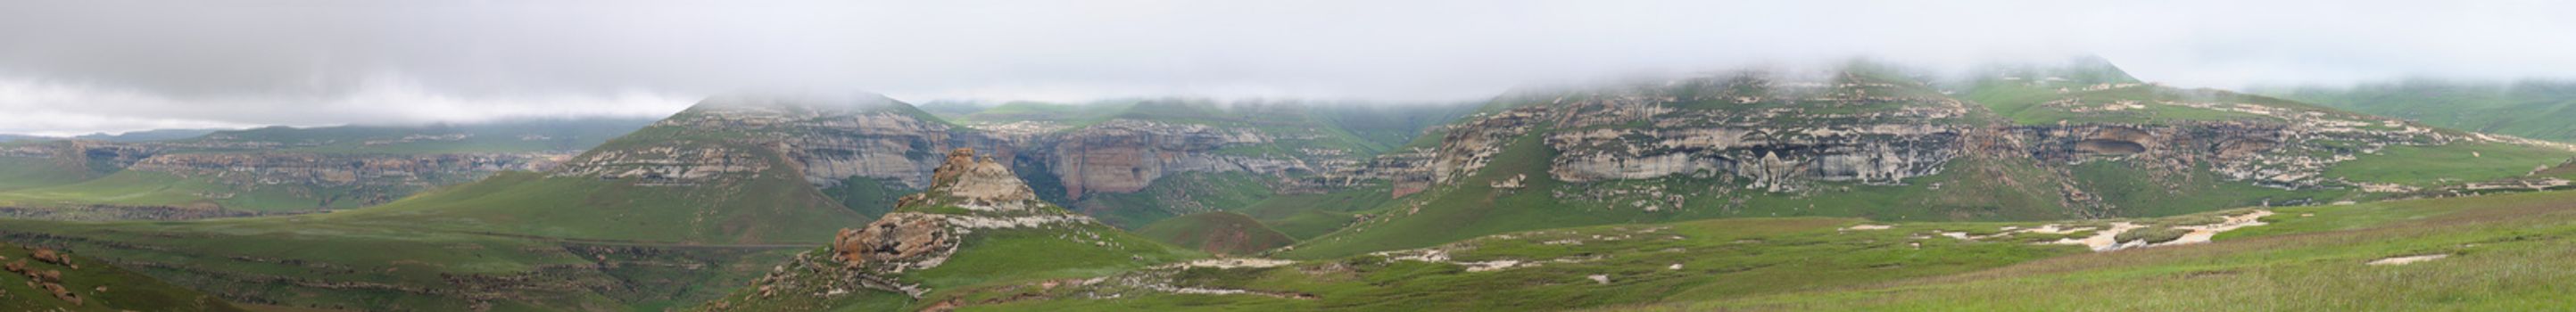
(84, 66)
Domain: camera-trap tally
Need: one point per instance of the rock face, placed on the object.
(1123, 155)
(667, 164)
(827, 139)
(983, 184)
(895, 243)
(380, 177)
(928, 228)
(1805, 136)
(913, 238)
(1638, 134)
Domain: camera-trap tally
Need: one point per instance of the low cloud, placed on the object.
(82, 66)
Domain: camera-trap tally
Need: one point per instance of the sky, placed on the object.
(82, 66)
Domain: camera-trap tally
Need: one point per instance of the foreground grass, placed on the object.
(1557, 269)
(2448, 164)
(2504, 253)
(100, 287)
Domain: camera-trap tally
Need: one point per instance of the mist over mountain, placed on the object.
(1334, 155)
(113, 66)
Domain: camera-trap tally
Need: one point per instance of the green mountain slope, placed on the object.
(1871, 141)
(59, 281)
(672, 215)
(978, 224)
(2535, 109)
(1222, 233)
(279, 169)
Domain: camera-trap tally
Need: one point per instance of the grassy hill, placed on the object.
(91, 285)
(978, 224)
(373, 264)
(281, 169)
(665, 217)
(27, 172)
(1223, 233)
(2534, 109)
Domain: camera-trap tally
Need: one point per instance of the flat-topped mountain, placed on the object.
(1870, 141)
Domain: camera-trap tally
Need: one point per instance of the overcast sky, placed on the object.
(79, 66)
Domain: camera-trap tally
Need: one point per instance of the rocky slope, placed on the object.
(1135, 162)
(1870, 141)
(977, 221)
(45, 279)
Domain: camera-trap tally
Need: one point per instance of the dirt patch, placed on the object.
(1869, 227)
(2403, 260)
(2202, 233)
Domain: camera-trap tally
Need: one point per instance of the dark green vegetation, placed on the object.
(375, 264)
(1178, 195)
(25, 172)
(2535, 109)
(1223, 233)
(97, 286)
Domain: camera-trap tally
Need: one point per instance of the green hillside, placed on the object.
(2535, 109)
(89, 285)
(977, 225)
(29, 172)
(310, 262)
(277, 169)
(2322, 258)
(1223, 233)
(667, 217)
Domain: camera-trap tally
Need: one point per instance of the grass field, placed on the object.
(2449, 164)
(1586, 267)
(2502, 254)
(310, 262)
(2534, 109)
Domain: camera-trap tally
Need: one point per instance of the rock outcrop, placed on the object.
(895, 243)
(1125, 155)
(374, 178)
(828, 140)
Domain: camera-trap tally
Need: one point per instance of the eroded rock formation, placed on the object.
(1124, 155)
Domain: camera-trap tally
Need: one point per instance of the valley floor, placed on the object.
(2498, 252)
